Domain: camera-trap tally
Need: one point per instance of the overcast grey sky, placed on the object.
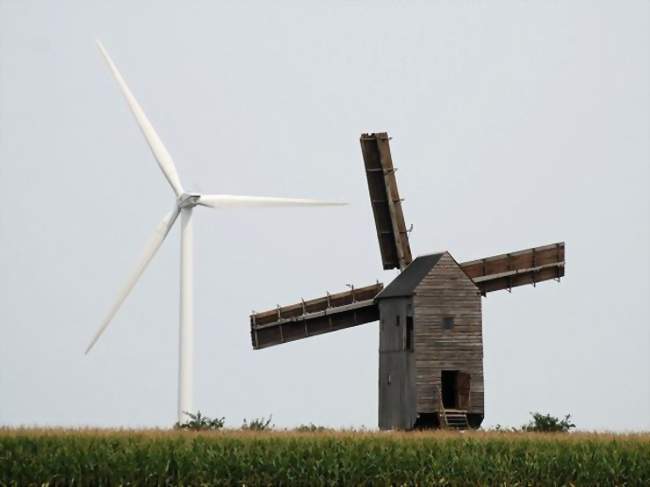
(514, 124)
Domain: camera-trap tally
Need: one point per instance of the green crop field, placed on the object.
(152, 457)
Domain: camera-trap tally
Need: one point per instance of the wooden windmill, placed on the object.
(430, 332)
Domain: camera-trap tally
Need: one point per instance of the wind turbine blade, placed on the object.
(232, 201)
(150, 250)
(159, 151)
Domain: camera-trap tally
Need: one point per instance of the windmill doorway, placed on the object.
(455, 389)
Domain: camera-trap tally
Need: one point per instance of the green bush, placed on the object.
(198, 422)
(549, 424)
(310, 428)
(258, 424)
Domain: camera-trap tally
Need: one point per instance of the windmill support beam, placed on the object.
(519, 268)
(330, 313)
(519, 278)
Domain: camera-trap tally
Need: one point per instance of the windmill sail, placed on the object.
(513, 269)
(315, 316)
(385, 201)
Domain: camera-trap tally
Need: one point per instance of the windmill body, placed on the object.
(184, 205)
(430, 345)
(430, 319)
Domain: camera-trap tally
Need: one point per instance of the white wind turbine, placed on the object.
(185, 203)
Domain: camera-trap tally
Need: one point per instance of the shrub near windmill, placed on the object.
(430, 332)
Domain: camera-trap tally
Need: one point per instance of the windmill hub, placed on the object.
(188, 200)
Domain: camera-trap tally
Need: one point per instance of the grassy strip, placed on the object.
(60, 457)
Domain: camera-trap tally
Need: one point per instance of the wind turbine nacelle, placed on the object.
(188, 200)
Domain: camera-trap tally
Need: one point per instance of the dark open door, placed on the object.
(449, 380)
(462, 390)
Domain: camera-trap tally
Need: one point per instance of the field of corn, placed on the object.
(151, 457)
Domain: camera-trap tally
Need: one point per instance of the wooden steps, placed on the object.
(454, 419)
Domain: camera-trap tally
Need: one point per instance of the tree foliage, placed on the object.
(310, 428)
(549, 424)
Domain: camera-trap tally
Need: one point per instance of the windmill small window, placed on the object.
(409, 334)
(448, 322)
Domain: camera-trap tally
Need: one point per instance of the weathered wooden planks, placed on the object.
(385, 201)
(446, 291)
(397, 392)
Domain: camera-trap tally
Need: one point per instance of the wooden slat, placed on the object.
(521, 278)
(317, 304)
(506, 271)
(315, 316)
(385, 200)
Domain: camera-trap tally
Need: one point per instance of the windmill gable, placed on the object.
(406, 283)
(448, 339)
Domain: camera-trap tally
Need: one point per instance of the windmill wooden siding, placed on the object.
(397, 374)
(446, 291)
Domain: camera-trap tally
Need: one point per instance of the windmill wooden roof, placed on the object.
(407, 281)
